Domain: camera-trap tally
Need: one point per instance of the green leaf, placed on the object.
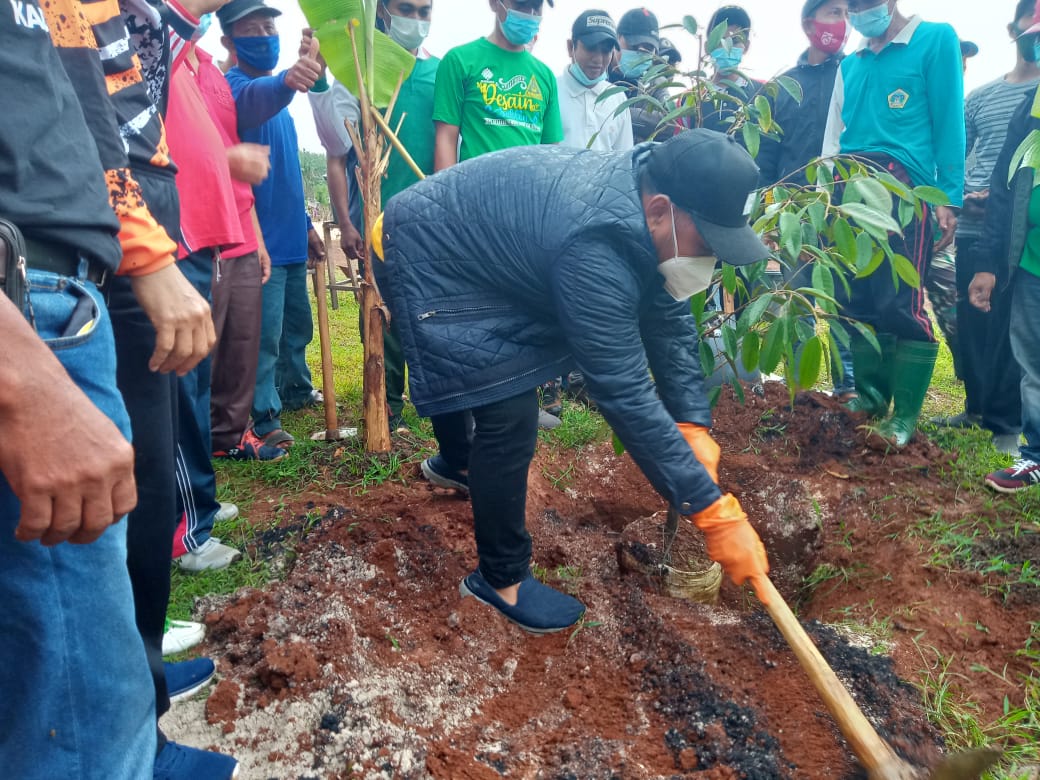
(871, 192)
(698, 303)
(791, 234)
(773, 348)
(864, 250)
(716, 35)
(823, 279)
(845, 241)
(877, 223)
(906, 271)
(839, 332)
(690, 24)
(729, 278)
(818, 216)
(875, 262)
(793, 88)
(753, 311)
(752, 137)
(713, 395)
(738, 389)
(619, 448)
(707, 358)
(932, 195)
(868, 333)
(329, 21)
(808, 361)
(765, 112)
(749, 351)
(729, 341)
(837, 369)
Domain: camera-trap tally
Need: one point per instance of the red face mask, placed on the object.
(829, 36)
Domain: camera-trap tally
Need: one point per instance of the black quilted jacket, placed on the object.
(511, 268)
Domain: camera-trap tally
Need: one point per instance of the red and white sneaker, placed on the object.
(1024, 474)
(251, 447)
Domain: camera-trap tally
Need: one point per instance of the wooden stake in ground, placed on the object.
(374, 318)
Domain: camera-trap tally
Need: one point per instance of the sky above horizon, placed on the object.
(776, 37)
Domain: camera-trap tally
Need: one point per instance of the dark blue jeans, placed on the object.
(282, 375)
(498, 452)
(78, 701)
(1025, 344)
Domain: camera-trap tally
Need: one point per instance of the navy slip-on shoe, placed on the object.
(178, 762)
(439, 473)
(186, 678)
(538, 609)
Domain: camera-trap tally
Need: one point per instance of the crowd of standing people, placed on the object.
(154, 251)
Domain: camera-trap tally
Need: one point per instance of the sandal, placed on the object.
(279, 439)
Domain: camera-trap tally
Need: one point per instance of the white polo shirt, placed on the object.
(584, 118)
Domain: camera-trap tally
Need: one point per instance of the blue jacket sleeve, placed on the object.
(945, 79)
(258, 100)
(602, 323)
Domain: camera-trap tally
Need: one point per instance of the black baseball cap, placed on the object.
(639, 26)
(732, 15)
(713, 179)
(593, 28)
(811, 7)
(239, 9)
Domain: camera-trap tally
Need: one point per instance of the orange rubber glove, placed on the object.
(734, 543)
(704, 447)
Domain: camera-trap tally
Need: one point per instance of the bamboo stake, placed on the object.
(392, 136)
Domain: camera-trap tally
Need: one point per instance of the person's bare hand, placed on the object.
(975, 204)
(351, 243)
(315, 248)
(981, 289)
(947, 218)
(183, 324)
(265, 265)
(249, 162)
(306, 70)
(199, 8)
(64, 495)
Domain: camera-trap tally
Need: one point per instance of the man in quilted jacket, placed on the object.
(588, 259)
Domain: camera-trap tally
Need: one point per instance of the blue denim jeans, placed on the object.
(78, 701)
(1025, 344)
(282, 375)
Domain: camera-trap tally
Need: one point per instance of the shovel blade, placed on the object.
(968, 765)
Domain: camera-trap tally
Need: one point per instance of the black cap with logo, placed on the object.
(239, 9)
(713, 179)
(593, 28)
(639, 27)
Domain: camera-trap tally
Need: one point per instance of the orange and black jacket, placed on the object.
(92, 41)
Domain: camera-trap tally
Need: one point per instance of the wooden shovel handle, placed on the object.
(328, 384)
(876, 756)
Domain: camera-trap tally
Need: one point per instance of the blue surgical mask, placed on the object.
(584, 80)
(633, 63)
(204, 22)
(728, 59)
(520, 29)
(872, 23)
(1036, 51)
(258, 52)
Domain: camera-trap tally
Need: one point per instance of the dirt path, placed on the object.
(364, 662)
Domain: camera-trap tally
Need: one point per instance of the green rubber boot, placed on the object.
(911, 375)
(872, 373)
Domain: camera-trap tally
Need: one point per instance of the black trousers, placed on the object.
(991, 375)
(151, 401)
(496, 443)
(876, 300)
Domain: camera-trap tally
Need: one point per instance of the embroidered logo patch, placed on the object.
(898, 99)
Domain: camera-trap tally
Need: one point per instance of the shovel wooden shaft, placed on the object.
(876, 756)
(328, 385)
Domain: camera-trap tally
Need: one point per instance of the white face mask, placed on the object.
(684, 277)
(408, 33)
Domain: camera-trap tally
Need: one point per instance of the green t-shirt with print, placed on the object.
(498, 99)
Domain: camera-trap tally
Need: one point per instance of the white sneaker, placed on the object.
(225, 513)
(212, 555)
(181, 635)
